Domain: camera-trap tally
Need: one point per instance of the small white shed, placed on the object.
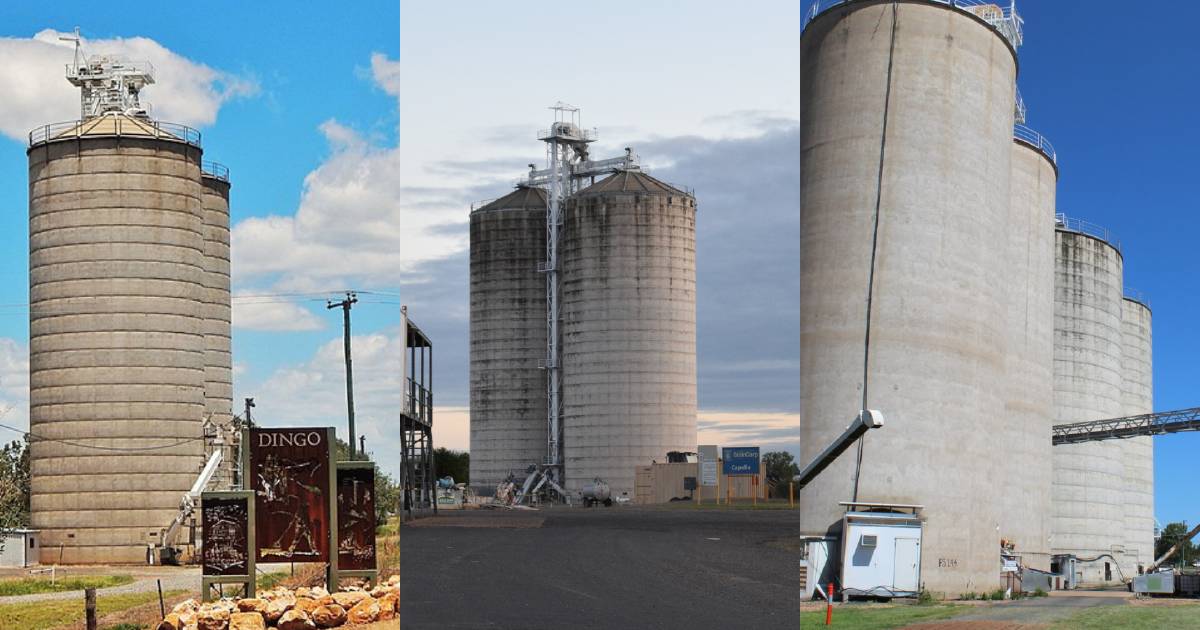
(881, 550)
(20, 548)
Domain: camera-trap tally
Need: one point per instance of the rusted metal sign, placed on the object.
(290, 475)
(356, 516)
(225, 525)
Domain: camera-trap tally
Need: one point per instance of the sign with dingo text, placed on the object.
(289, 473)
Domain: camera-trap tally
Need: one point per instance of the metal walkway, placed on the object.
(1159, 423)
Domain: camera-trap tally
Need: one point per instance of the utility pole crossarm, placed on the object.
(1159, 423)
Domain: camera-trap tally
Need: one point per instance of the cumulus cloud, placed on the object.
(387, 73)
(270, 314)
(313, 393)
(37, 92)
(14, 387)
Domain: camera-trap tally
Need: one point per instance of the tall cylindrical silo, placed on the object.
(1029, 403)
(628, 256)
(1088, 488)
(508, 337)
(218, 356)
(937, 337)
(1138, 398)
(116, 334)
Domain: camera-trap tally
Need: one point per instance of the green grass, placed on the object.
(268, 581)
(52, 614)
(30, 586)
(128, 626)
(1131, 617)
(879, 617)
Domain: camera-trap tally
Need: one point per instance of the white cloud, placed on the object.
(386, 73)
(37, 92)
(14, 387)
(271, 314)
(356, 225)
(313, 393)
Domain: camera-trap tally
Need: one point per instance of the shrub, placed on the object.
(924, 598)
(970, 596)
(997, 595)
(1040, 593)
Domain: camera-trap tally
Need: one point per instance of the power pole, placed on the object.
(249, 406)
(345, 305)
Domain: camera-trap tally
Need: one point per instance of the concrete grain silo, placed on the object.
(218, 357)
(1138, 398)
(628, 256)
(508, 337)
(1088, 489)
(1029, 402)
(117, 351)
(937, 363)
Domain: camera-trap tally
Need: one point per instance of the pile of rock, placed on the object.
(287, 609)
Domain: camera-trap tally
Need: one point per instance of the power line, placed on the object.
(41, 438)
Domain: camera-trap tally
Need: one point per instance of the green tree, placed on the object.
(455, 464)
(1173, 533)
(778, 468)
(14, 486)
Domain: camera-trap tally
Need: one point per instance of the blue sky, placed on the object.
(301, 106)
(1114, 91)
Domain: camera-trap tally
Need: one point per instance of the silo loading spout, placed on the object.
(867, 419)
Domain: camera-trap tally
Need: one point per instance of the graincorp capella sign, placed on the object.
(740, 460)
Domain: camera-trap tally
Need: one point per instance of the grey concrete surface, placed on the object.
(1137, 375)
(508, 337)
(937, 363)
(116, 341)
(1088, 488)
(620, 567)
(1029, 399)
(628, 258)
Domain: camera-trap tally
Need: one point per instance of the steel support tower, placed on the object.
(568, 166)
(418, 473)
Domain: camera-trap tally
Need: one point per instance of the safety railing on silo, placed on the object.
(1005, 20)
(215, 170)
(113, 126)
(1035, 140)
(1069, 224)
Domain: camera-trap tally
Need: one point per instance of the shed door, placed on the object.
(908, 562)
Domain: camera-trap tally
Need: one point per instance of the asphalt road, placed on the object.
(620, 567)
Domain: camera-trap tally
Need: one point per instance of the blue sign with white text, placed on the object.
(739, 460)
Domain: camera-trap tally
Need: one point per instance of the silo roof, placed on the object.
(114, 125)
(632, 182)
(521, 198)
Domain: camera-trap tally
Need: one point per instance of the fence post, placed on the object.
(89, 603)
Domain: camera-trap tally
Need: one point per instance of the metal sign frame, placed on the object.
(330, 503)
(248, 580)
(335, 572)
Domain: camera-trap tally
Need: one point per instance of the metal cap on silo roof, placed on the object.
(522, 198)
(632, 182)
